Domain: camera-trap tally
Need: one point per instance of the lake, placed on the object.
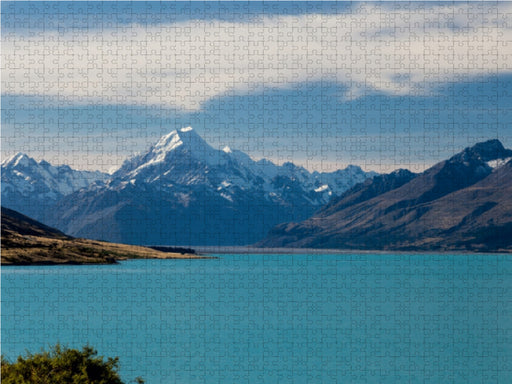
(249, 318)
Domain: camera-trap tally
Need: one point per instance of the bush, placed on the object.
(62, 366)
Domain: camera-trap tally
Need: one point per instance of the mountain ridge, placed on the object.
(181, 191)
(32, 187)
(442, 208)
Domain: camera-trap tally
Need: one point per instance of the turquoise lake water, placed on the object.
(338, 318)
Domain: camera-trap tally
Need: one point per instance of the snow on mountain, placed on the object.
(180, 191)
(182, 157)
(30, 186)
(183, 191)
(171, 150)
(497, 163)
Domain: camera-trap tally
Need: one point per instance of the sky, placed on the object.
(321, 84)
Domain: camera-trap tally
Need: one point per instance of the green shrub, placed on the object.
(62, 365)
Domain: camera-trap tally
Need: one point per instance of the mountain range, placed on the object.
(180, 191)
(463, 203)
(33, 187)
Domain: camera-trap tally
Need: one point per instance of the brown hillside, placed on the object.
(28, 242)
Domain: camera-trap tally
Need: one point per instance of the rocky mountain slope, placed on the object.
(463, 203)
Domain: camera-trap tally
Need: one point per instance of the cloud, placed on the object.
(399, 49)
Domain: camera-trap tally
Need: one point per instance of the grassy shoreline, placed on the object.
(37, 250)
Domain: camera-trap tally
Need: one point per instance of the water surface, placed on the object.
(248, 318)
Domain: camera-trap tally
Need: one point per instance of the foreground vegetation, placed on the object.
(62, 365)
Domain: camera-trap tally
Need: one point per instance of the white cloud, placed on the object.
(400, 49)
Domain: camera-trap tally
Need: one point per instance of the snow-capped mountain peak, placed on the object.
(168, 142)
(173, 152)
(181, 137)
(19, 159)
(28, 186)
(198, 193)
(182, 157)
(196, 145)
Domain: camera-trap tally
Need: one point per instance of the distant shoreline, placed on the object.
(109, 262)
(211, 252)
(208, 250)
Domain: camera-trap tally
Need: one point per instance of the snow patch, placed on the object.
(322, 188)
(227, 197)
(21, 159)
(498, 162)
(160, 150)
